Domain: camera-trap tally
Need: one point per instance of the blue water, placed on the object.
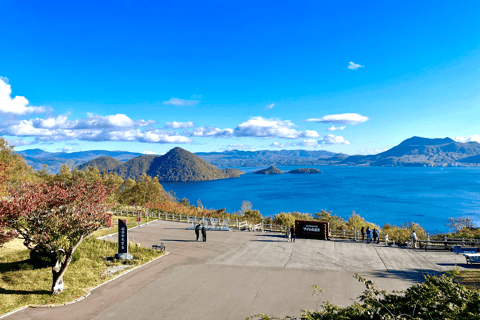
(394, 195)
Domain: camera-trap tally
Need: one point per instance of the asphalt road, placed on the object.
(236, 274)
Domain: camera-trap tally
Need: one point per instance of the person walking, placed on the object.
(197, 230)
(369, 234)
(292, 233)
(204, 234)
(287, 234)
(363, 233)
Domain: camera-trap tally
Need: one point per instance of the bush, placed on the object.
(355, 221)
(335, 222)
(404, 232)
(438, 298)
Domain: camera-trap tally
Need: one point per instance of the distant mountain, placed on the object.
(37, 158)
(237, 158)
(102, 163)
(418, 151)
(269, 170)
(305, 170)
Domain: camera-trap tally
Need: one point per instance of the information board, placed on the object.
(311, 229)
(122, 236)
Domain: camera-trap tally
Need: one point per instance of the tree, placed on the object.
(246, 206)
(55, 219)
(457, 224)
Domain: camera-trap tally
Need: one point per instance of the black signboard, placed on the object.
(122, 237)
(311, 229)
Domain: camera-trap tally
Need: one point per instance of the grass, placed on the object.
(131, 222)
(24, 282)
(470, 279)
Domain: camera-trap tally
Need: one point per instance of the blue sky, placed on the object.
(146, 76)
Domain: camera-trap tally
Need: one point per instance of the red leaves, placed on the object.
(57, 215)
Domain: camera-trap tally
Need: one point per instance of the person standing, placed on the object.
(204, 233)
(292, 233)
(363, 233)
(287, 234)
(369, 234)
(375, 235)
(414, 239)
(197, 230)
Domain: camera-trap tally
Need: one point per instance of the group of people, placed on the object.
(371, 234)
(199, 228)
(290, 235)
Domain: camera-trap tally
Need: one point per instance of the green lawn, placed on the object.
(23, 283)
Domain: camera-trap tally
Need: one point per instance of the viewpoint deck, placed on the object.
(239, 273)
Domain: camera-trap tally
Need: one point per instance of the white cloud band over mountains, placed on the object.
(343, 118)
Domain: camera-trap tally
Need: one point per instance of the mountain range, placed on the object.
(415, 151)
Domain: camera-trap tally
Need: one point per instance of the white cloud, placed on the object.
(474, 137)
(179, 125)
(93, 128)
(210, 132)
(344, 118)
(278, 145)
(354, 66)
(181, 102)
(18, 105)
(67, 149)
(271, 128)
(239, 147)
(331, 139)
(149, 152)
(270, 106)
(333, 128)
(92, 121)
(18, 142)
(312, 143)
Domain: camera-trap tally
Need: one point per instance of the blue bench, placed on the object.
(458, 249)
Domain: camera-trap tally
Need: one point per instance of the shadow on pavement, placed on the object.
(412, 274)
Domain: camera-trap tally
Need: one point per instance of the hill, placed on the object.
(418, 151)
(102, 163)
(269, 170)
(177, 165)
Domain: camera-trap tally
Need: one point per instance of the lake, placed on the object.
(395, 195)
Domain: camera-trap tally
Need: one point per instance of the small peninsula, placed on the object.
(269, 170)
(305, 170)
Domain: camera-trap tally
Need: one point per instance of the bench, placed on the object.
(458, 249)
(472, 257)
(160, 247)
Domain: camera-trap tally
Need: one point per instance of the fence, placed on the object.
(355, 235)
(240, 225)
(214, 222)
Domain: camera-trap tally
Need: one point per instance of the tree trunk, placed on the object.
(58, 270)
(57, 286)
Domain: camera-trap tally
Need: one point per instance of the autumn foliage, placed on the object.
(54, 219)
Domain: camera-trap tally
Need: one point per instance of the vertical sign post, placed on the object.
(123, 241)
